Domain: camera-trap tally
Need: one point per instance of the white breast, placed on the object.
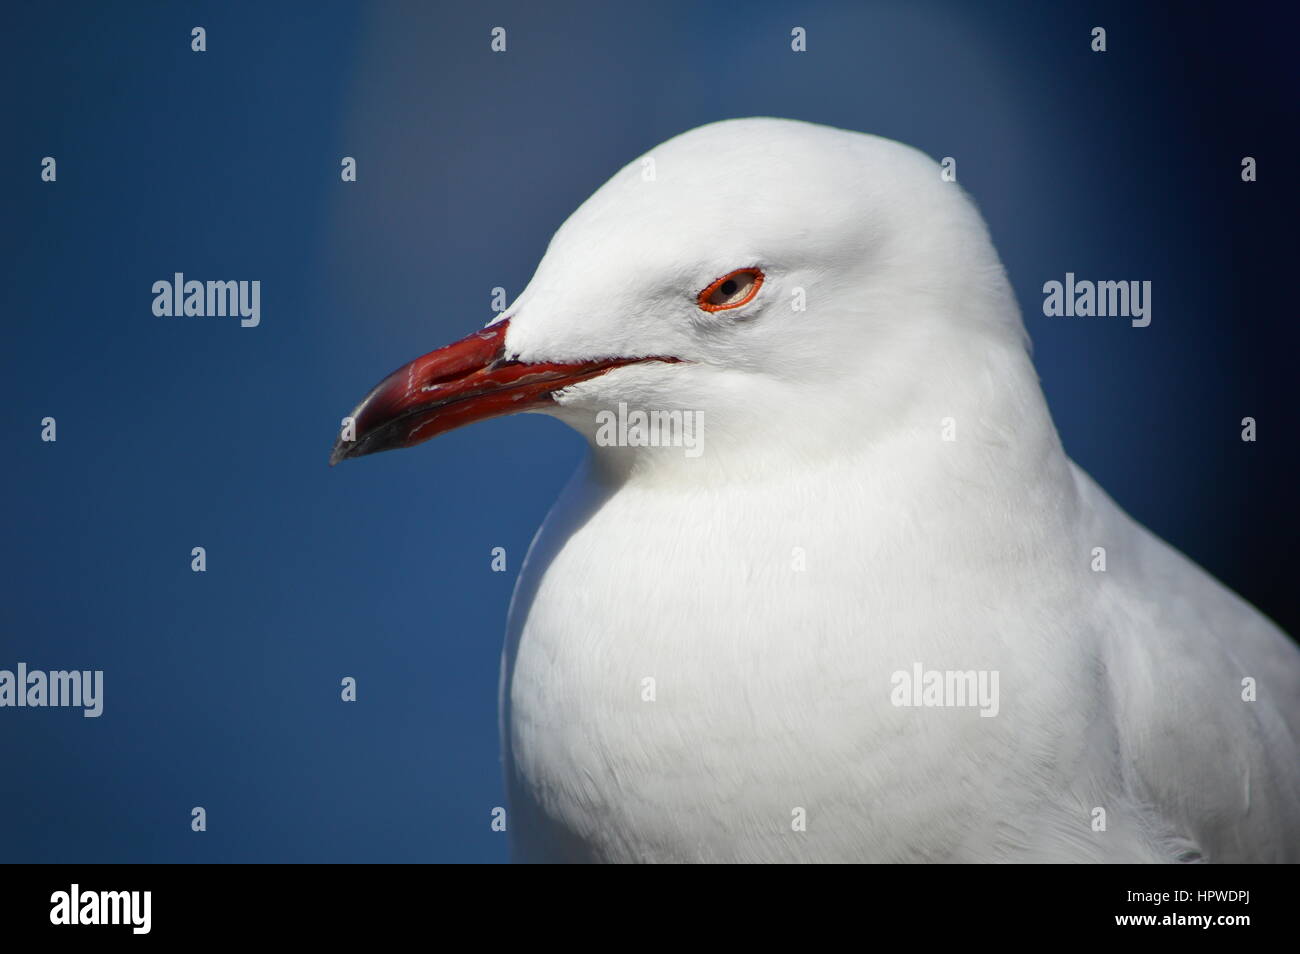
(772, 684)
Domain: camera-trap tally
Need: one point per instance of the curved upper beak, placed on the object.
(469, 380)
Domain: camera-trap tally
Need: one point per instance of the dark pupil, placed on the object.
(728, 287)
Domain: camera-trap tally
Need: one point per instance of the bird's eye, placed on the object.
(732, 290)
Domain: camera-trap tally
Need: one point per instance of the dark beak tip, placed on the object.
(340, 451)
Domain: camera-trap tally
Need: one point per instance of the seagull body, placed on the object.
(703, 653)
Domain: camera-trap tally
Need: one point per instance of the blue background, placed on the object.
(222, 688)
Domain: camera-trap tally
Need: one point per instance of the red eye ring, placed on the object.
(707, 298)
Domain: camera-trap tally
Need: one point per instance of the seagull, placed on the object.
(770, 649)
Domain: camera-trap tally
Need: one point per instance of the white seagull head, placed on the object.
(799, 286)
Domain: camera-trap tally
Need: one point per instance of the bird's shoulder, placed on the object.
(1206, 690)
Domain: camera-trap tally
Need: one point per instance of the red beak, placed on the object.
(467, 381)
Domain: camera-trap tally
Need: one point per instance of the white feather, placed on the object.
(1119, 690)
